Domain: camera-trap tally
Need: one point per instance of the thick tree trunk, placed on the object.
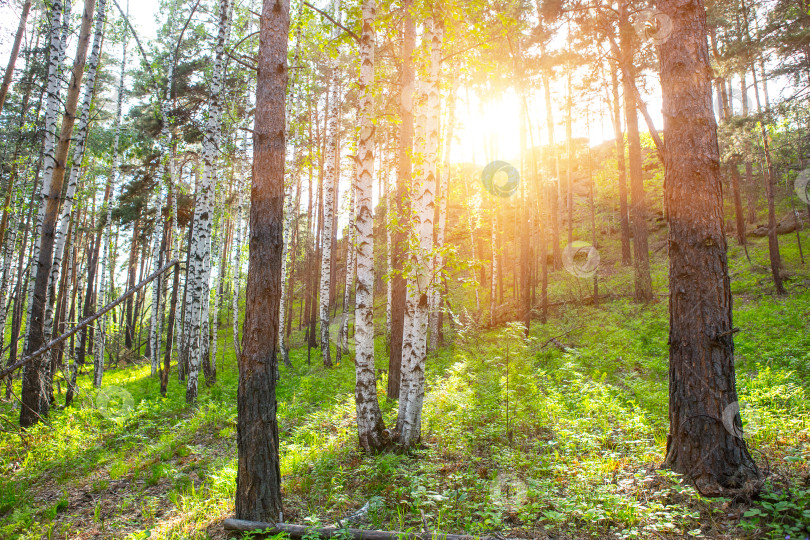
(258, 480)
(370, 428)
(34, 399)
(704, 439)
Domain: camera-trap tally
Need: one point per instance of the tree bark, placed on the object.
(34, 399)
(258, 480)
(400, 209)
(702, 384)
(638, 205)
(15, 51)
(370, 428)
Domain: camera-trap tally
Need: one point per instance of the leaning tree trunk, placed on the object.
(258, 479)
(370, 427)
(705, 435)
(199, 272)
(15, 51)
(412, 382)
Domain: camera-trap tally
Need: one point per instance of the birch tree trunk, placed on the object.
(157, 239)
(444, 183)
(199, 272)
(370, 426)
(343, 334)
(75, 172)
(329, 182)
(98, 348)
(412, 385)
(286, 235)
(59, 26)
(35, 394)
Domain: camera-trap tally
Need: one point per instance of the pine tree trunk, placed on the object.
(370, 426)
(34, 391)
(638, 205)
(705, 436)
(400, 210)
(627, 258)
(15, 51)
(258, 480)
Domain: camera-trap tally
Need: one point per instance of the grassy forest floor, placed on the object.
(578, 455)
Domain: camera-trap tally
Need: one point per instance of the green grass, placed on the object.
(580, 454)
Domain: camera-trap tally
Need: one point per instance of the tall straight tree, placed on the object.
(412, 380)
(702, 382)
(370, 428)
(638, 204)
(199, 275)
(329, 183)
(34, 398)
(258, 479)
(400, 209)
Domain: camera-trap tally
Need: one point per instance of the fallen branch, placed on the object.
(86, 322)
(299, 531)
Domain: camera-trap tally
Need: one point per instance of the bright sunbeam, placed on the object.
(487, 128)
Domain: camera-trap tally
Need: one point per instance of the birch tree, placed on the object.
(199, 272)
(35, 394)
(370, 426)
(329, 182)
(412, 384)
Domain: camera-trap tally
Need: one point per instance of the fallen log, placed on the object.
(299, 531)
